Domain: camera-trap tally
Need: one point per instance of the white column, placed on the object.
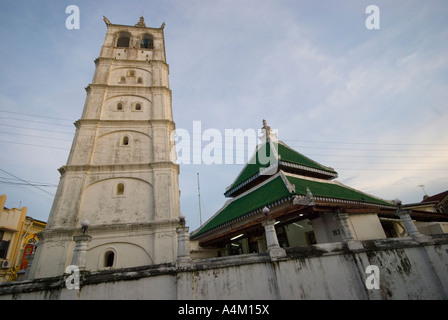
(342, 219)
(183, 247)
(274, 249)
(409, 225)
(348, 238)
(79, 254)
(271, 235)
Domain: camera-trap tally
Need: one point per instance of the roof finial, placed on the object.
(141, 23)
(106, 20)
(267, 130)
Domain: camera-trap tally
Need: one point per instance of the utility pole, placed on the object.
(199, 199)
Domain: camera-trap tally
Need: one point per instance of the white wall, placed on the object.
(407, 270)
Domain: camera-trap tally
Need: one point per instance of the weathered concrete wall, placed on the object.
(407, 270)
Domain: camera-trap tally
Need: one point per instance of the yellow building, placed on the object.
(17, 239)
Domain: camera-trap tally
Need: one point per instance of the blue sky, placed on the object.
(372, 104)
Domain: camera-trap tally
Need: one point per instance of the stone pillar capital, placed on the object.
(269, 222)
(82, 238)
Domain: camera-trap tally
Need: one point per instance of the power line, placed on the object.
(369, 143)
(36, 115)
(24, 187)
(389, 150)
(244, 144)
(34, 145)
(35, 129)
(28, 183)
(33, 136)
(43, 122)
(237, 145)
(295, 140)
(32, 192)
(392, 169)
(372, 156)
(236, 158)
(13, 181)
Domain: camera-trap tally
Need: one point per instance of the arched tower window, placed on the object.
(120, 189)
(131, 73)
(109, 258)
(124, 38)
(119, 106)
(125, 141)
(138, 107)
(147, 41)
(139, 80)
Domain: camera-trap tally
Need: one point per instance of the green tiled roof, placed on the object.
(290, 155)
(286, 154)
(333, 190)
(276, 190)
(257, 199)
(255, 164)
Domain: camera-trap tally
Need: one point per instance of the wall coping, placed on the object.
(53, 285)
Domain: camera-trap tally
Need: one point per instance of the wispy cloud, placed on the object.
(310, 68)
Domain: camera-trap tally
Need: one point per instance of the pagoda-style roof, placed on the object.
(280, 183)
(285, 187)
(269, 158)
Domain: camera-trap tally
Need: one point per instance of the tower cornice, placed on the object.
(57, 234)
(133, 86)
(117, 168)
(127, 61)
(139, 25)
(134, 123)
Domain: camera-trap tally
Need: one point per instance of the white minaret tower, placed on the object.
(119, 175)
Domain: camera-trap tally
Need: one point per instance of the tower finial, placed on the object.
(106, 20)
(141, 23)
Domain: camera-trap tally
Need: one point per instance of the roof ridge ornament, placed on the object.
(141, 23)
(106, 20)
(267, 130)
(267, 134)
(307, 200)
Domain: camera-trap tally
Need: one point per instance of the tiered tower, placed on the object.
(119, 175)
